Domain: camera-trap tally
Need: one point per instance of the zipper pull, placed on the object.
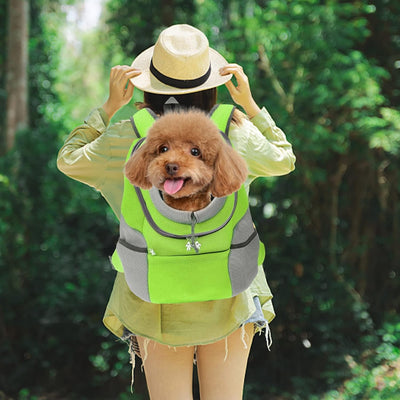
(193, 242)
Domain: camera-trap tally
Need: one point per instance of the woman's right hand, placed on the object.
(121, 88)
(240, 93)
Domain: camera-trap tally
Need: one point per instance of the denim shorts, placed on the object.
(257, 317)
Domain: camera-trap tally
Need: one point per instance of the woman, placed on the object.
(181, 68)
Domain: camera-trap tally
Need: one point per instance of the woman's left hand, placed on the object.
(120, 88)
(241, 94)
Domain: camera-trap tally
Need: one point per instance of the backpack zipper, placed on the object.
(131, 246)
(246, 242)
(193, 240)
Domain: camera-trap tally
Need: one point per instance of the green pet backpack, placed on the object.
(173, 256)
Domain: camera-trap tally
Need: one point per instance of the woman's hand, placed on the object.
(121, 88)
(241, 94)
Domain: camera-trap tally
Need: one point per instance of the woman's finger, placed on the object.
(231, 69)
(231, 88)
(120, 72)
(129, 90)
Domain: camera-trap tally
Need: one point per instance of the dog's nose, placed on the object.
(172, 169)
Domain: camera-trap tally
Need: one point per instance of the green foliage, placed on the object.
(52, 287)
(377, 377)
(383, 46)
(306, 68)
(136, 25)
(386, 133)
(326, 72)
(48, 281)
(305, 64)
(3, 48)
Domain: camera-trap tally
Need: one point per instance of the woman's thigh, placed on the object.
(168, 370)
(222, 365)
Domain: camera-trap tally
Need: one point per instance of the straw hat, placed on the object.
(180, 62)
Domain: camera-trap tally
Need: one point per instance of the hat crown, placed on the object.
(182, 52)
(180, 62)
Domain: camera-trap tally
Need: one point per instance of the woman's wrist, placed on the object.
(251, 109)
(109, 109)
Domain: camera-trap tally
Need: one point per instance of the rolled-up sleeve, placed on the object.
(80, 157)
(263, 145)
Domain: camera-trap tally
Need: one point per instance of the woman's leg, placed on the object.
(222, 365)
(168, 370)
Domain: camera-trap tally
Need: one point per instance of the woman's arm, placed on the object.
(120, 88)
(241, 94)
(88, 150)
(263, 145)
(82, 157)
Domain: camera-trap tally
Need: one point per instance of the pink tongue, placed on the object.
(172, 186)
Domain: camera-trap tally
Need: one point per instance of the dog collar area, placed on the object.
(186, 217)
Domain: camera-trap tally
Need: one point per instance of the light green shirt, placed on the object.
(94, 153)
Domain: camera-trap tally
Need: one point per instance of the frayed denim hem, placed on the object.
(257, 319)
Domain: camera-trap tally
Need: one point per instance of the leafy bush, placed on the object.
(378, 376)
(331, 227)
(55, 236)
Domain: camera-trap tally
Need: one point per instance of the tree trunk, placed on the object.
(17, 69)
(334, 215)
(167, 12)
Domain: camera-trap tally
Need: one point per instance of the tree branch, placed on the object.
(287, 100)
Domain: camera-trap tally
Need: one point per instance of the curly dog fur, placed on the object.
(187, 159)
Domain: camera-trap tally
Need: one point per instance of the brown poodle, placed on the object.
(187, 159)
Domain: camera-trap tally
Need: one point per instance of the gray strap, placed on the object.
(134, 127)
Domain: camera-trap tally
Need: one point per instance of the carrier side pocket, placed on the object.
(243, 256)
(132, 251)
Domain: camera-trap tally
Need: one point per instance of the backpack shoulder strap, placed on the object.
(142, 121)
(222, 115)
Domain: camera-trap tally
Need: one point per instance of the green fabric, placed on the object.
(94, 153)
(143, 121)
(221, 115)
(163, 270)
(165, 278)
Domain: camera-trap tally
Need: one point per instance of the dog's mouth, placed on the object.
(172, 186)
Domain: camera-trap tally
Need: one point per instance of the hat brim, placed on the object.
(147, 82)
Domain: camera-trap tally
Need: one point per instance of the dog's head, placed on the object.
(184, 154)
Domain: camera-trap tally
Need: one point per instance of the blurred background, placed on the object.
(328, 72)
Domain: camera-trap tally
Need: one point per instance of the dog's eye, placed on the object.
(163, 149)
(195, 152)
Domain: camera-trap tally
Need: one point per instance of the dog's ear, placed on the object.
(136, 168)
(230, 171)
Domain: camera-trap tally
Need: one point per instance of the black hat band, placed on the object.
(179, 83)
